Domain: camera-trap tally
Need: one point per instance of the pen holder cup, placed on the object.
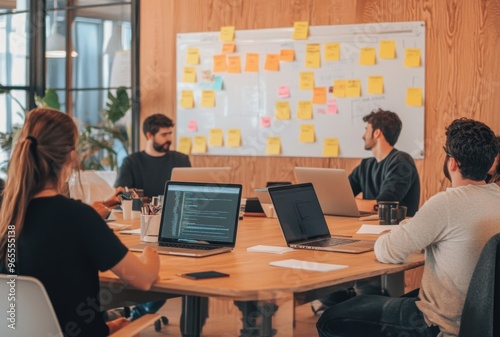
(150, 227)
(127, 209)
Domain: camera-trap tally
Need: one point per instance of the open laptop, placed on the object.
(197, 219)
(265, 201)
(303, 223)
(202, 174)
(333, 189)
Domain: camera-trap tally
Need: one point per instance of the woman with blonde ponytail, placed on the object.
(60, 241)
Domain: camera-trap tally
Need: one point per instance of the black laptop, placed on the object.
(197, 219)
(303, 223)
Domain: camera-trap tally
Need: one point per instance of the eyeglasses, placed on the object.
(446, 151)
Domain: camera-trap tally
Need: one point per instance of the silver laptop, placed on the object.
(333, 190)
(202, 174)
(303, 223)
(197, 219)
(265, 201)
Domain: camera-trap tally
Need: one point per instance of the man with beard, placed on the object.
(390, 175)
(452, 227)
(151, 168)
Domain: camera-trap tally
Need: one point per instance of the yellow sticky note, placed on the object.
(304, 110)
(306, 133)
(272, 62)
(228, 48)
(319, 95)
(226, 33)
(252, 62)
(220, 64)
(273, 146)
(184, 145)
(216, 137)
(332, 51)
(376, 85)
(414, 97)
(200, 144)
(412, 57)
(208, 98)
(339, 88)
(187, 99)
(189, 75)
(287, 55)
(282, 110)
(234, 137)
(193, 56)
(367, 56)
(234, 64)
(313, 56)
(300, 30)
(306, 81)
(353, 88)
(330, 147)
(387, 49)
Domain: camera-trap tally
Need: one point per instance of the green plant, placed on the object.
(99, 144)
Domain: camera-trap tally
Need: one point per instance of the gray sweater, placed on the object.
(452, 227)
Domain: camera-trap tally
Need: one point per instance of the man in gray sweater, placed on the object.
(452, 227)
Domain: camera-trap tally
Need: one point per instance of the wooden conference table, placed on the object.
(253, 279)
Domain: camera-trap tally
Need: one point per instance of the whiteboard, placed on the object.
(246, 98)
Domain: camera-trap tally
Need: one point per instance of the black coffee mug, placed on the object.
(388, 212)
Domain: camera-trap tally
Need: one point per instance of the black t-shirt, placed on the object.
(393, 179)
(64, 243)
(140, 170)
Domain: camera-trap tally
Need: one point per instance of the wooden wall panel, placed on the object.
(462, 70)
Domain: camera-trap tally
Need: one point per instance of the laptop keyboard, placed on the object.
(186, 245)
(331, 242)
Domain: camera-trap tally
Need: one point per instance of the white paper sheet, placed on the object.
(374, 229)
(307, 265)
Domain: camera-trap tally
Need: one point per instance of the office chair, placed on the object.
(482, 303)
(34, 314)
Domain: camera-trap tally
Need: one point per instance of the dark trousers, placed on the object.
(375, 316)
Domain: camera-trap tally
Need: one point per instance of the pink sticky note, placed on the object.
(283, 92)
(332, 107)
(193, 126)
(265, 122)
(321, 111)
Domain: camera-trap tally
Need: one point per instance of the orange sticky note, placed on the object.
(319, 95)
(339, 88)
(200, 144)
(414, 96)
(234, 64)
(330, 147)
(272, 62)
(307, 81)
(353, 88)
(184, 145)
(287, 55)
(307, 133)
(252, 62)
(234, 137)
(216, 137)
(273, 146)
(387, 49)
(189, 75)
(187, 99)
(208, 98)
(193, 56)
(304, 110)
(282, 110)
(228, 48)
(367, 56)
(300, 30)
(220, 64)
(226, 33)
(332, 51)
(412, 57)
(313, 56)
(376, 85)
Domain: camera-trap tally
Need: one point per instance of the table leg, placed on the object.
(393, 284)
(194, 314)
